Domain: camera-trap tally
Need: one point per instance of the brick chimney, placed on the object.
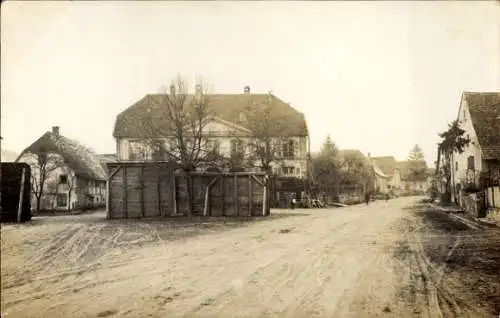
(55, 131)
(247, 90)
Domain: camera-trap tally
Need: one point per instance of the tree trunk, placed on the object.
(38, 201)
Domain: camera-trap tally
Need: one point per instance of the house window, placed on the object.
(289, 149)
(213, 146)
(287, 171)
(63, 179)
(242, 117)
(62, 200)
(456, 165)
(470, 162)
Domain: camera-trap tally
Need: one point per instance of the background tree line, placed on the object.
(341, 172)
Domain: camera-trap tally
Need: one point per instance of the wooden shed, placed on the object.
(137, 190)
(15, 200)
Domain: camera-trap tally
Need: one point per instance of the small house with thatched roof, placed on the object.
(74, 176)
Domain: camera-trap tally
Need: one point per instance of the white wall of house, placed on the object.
(460, 160)
(395, 181)
(223, 134)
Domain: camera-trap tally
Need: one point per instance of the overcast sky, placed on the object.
(376, 76)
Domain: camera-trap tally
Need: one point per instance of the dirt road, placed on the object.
(360, 261)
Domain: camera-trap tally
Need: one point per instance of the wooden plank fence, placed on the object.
(141, 190)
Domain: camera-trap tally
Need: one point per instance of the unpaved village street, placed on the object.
(397, 259)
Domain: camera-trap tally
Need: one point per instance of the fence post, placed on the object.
(235, 195)
(250, 195)
(125, 200)
(158, 194)
(264, 199)
(174, 193)
(108, 199)
(223, 195)
(21, 197)
(142, 190)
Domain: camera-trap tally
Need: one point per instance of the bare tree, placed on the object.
(264, 141)
(43, 164)
(70, 183)
(175, 130)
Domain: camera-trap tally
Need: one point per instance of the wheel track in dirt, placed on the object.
(442, 301)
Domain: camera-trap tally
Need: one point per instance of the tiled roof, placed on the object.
(484, 109)
(83, 160)
(287, 121)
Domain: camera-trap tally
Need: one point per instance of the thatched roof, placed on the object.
(484, 109)
(289, 122)
(82, 160)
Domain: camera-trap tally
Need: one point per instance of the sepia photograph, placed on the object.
(213, 159)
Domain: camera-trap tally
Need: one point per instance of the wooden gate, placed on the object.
(137, 190)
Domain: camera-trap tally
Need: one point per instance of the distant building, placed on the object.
(400, 178)
(380, 179)
(79, 180)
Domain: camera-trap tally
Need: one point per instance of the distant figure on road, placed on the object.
(293, 203)
(367, 198)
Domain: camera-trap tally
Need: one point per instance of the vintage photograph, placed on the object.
(250, 159)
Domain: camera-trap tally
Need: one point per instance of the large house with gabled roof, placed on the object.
(77, 178)
(476, 170)
(228, 131)
(227, 128)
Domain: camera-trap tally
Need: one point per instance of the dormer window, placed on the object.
(242, 117)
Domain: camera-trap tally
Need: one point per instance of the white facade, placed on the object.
(58, 185)
(396, 182)
(224, 134)
(460, 161)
